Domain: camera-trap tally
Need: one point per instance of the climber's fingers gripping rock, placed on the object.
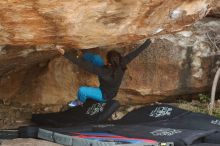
(60, 49)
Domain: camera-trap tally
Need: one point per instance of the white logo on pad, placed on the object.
(95, 108)
(215, 122)
(165, 132)
(161, 111)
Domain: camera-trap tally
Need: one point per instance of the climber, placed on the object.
(109, 75)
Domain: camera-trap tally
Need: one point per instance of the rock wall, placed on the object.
(88, 24)
(174, 65)
(215, 12)
(177, 64)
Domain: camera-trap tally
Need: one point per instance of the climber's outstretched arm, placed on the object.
(129, 57)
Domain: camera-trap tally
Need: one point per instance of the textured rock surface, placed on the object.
(216, 9)
(178, 64)
(87, 24)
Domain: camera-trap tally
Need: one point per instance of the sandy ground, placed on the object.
(15, 115)
(27, 142)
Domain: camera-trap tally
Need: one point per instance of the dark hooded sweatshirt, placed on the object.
(109, 83)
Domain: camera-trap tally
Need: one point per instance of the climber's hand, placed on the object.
(60, 49)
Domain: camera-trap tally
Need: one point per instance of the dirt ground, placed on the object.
(14, 115)
(27, 142)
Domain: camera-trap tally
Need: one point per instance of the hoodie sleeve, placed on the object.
(88, 66)
(129, 57)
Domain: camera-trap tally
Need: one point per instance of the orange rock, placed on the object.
(174, 65)
(216, 9)
(88, 24)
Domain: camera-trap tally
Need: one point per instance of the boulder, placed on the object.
(179, 64)
(174, 65)
(89, 24)
(215, 12)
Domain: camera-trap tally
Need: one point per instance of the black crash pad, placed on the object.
(180, 137)
(86, 136)
(168, 116)
(90, 112)
(163, 123)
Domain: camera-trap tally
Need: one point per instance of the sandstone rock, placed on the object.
(215, 9)
(55, 83)
(37, 26)
(174, 65)
(88, 24)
